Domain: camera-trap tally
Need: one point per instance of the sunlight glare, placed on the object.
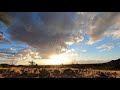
(56, 59)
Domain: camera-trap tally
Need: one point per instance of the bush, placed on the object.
(56, 72)
(44, 73)
(69, 72)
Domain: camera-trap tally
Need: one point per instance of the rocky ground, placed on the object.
(21, 72)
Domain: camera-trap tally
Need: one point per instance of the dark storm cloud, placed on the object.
(48, 32)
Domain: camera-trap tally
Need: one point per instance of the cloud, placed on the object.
(48, 32)
(14, 56)
(84, 50)
(116, 34)
(10, 56)
(7, 53)
(105, 47)
(3, 55)
(27, 53)
(8, 50)
(101, 24)
(5, 41)
(51, 32)
(95, 24)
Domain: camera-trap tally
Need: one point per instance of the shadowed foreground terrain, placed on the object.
(21, 72)
(104, 70)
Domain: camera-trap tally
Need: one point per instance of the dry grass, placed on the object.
(21, 72)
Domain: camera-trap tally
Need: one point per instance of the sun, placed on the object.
(56, 59)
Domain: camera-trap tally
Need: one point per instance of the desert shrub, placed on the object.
(56, 72)
(77, 72)
(104, 74)
(69, 72)
(44, 73)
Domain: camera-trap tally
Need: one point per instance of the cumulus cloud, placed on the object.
(51, 32)
(116, 34)
(105, 47)
(27, 54)
(100, 24)
(48, 32)
(12, 56)
(95, 24)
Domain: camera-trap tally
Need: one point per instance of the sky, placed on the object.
(60, 37)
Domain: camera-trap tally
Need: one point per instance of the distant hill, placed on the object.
(111, 65)
(114, 62)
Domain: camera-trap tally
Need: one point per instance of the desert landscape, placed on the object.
(105, 70)
(59, 45)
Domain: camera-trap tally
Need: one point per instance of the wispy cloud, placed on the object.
(5, 41)
(84, 50)
(118, 44)
(105, 47)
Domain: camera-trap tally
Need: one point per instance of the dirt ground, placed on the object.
(21, 72)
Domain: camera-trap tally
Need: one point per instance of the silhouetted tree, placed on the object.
(32, 63)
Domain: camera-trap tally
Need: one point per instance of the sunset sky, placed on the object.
(60, 37)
